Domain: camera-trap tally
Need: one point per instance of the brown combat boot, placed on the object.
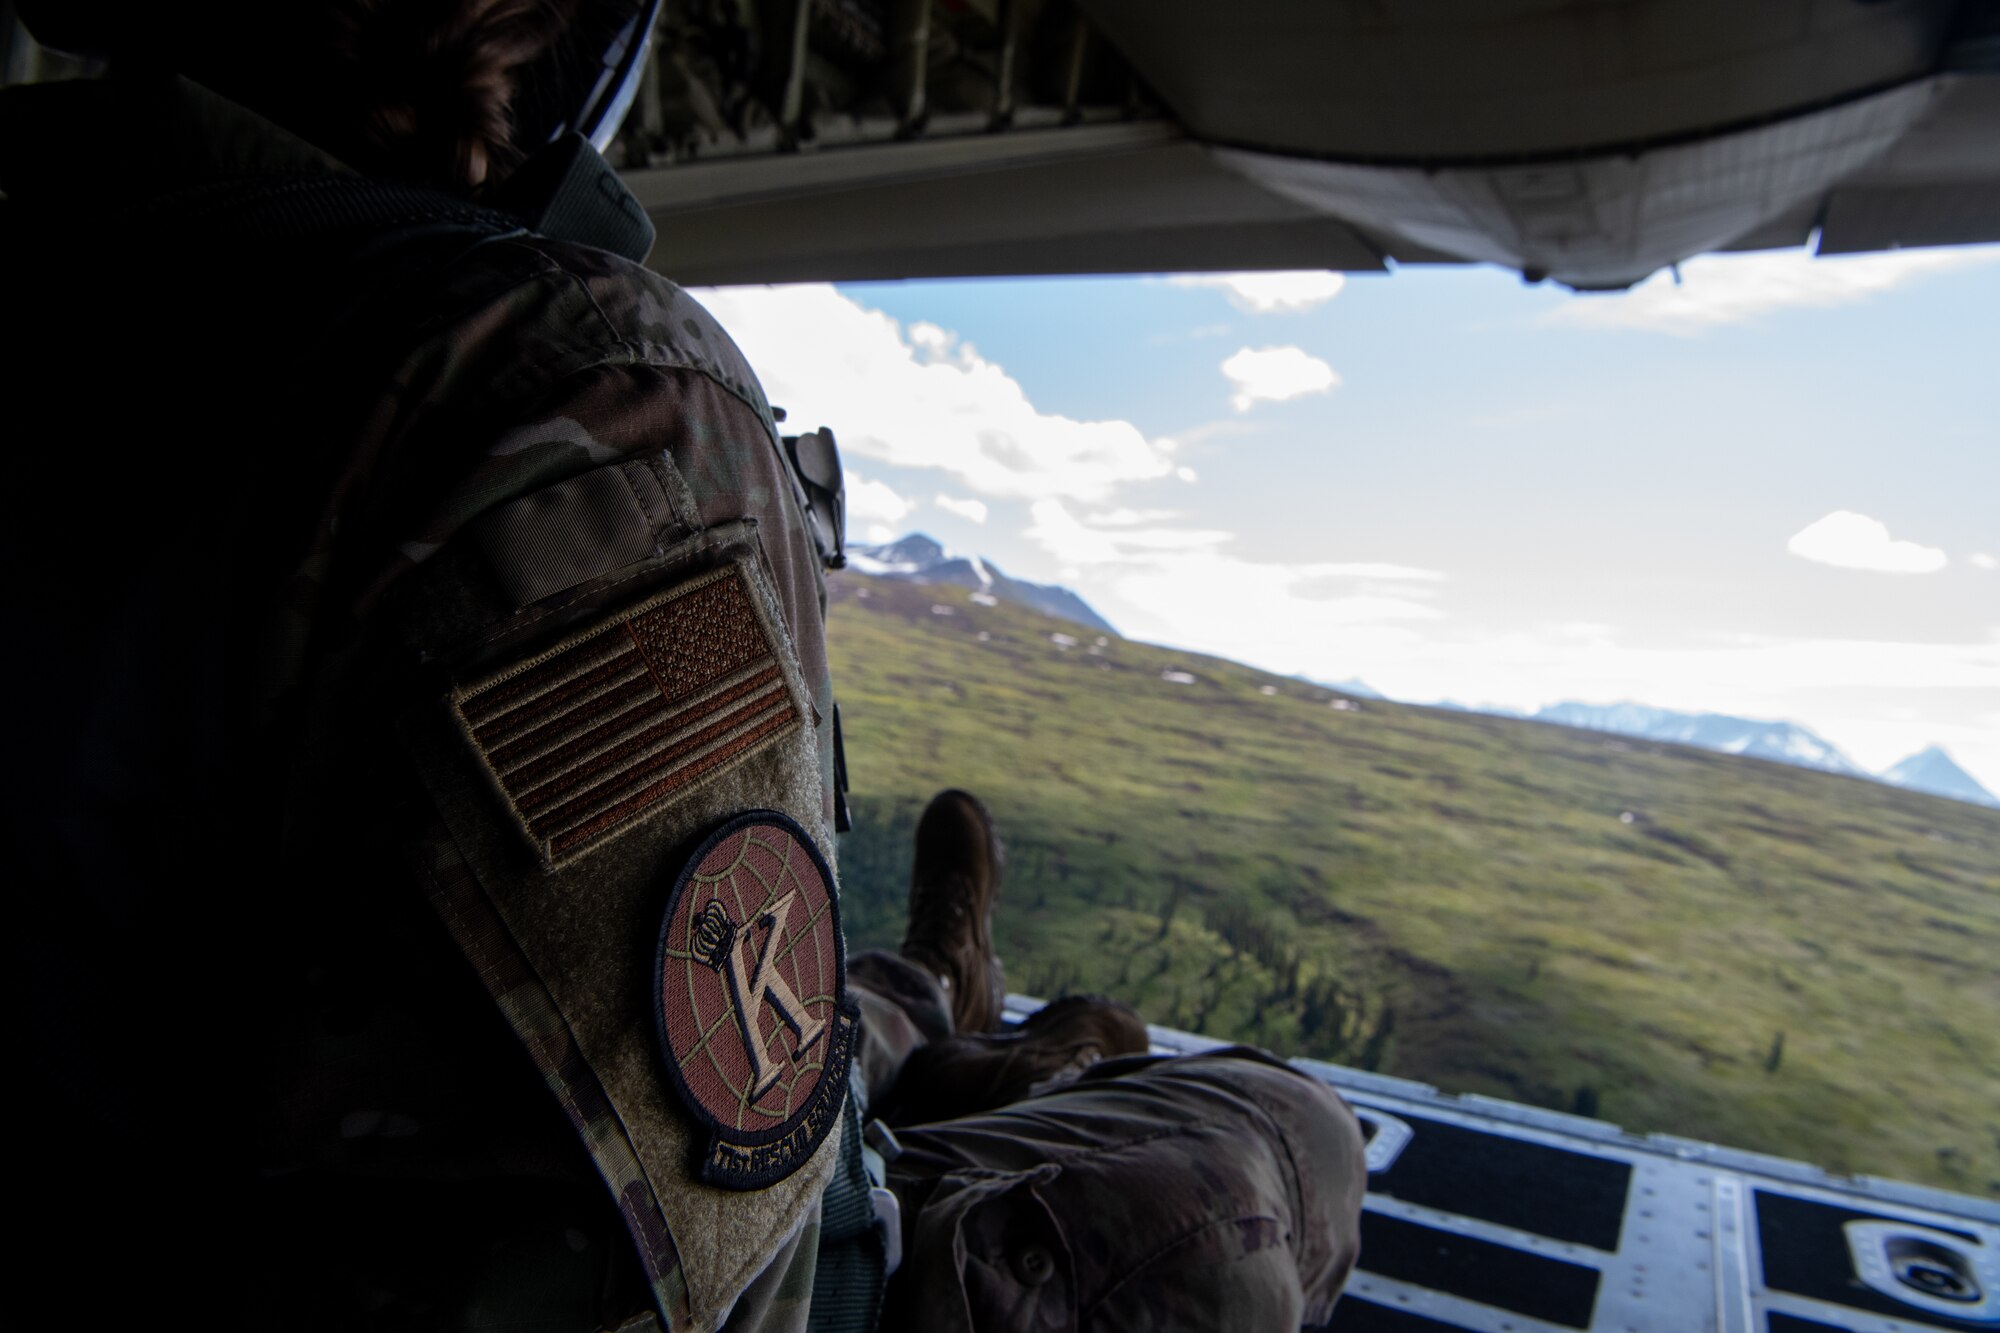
(953, 885)
(964, 1075)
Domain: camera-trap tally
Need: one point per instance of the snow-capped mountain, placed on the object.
(1784, 742)
(1932, 770)
(921, 559)
(1491, 710)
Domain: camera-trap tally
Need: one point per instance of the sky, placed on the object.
(1770, 489)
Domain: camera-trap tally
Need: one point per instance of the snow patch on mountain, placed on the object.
(1783, 742)
(1932, 770)
(920, 558)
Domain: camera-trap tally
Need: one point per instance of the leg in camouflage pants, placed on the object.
(1221, 1189)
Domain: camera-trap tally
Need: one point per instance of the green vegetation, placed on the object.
(1672, 939)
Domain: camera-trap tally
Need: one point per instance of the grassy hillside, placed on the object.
(1671, 939)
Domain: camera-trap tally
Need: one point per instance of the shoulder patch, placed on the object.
(754, 1021)
(588, 738)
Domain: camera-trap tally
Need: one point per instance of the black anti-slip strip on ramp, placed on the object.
(1358, 1316)
(1479, 1270)
(1806, 1254)
(1791, 1323)
(1551, 1192)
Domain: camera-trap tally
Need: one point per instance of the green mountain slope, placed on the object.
(1673, 939)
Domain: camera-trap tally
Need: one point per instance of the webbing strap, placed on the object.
(847, 1287)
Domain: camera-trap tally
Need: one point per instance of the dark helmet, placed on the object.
(570, 66)
(586, 83)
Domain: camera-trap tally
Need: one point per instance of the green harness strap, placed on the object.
(853, 1260)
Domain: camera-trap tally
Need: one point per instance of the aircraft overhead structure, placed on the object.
(1591, 142)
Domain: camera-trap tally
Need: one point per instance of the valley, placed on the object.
(1724, 948)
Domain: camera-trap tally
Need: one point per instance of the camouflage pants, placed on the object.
(1206, 1191)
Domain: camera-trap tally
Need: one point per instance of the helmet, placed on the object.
(574, 66)
(585, 84)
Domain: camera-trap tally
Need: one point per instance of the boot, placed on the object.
(964, 1075)
(953, 885)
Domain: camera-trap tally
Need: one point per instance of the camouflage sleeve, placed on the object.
(732, 469)
(780, 1300)
(553, 369)
(540, 361)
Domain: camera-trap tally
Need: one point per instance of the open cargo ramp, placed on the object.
(1489, 1215)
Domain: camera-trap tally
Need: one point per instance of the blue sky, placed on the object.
(1773, 489)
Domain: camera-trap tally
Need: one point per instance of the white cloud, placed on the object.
(874, 502)
(974, 510)
(1185, 584)
(1981, 560)
(1263, 293)
(922, 398)
(1375, 569)
(1125, 518)
(1122, 538)
(1749, 675)
(930, 340)
(1275, 374)
(1211, 602)
(1077, 543)
(1849, 540)
(1388, 624)
(1731, 289)
(1196, 436)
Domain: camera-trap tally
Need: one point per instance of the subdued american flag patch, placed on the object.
(589, 737)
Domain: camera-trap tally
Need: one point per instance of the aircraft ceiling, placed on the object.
(1589, 141)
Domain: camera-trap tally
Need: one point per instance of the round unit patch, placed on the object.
(754, 1020)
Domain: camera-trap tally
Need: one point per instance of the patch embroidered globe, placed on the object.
(754, 1022)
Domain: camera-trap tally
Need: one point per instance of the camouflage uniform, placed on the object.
(310, 538)
(449, 470)
(1215, 1190)
(1222, 1189)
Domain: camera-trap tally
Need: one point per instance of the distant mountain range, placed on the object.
(918, 558)
(1784, 742)
(1930, 770)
